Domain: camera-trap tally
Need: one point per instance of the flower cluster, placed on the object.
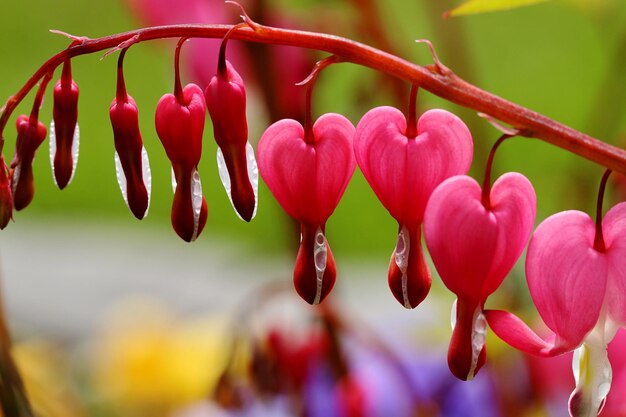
(416, 166)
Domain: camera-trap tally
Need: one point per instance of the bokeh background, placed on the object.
(116, 317)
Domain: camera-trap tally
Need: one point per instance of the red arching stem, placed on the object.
(121, 95)
(598, 242)
(310, 83)
(411, 120)
(178, 89)
(487, 180)
(221, 61)
(34, 114)
(447, 86)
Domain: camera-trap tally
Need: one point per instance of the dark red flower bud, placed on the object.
(64, 131)
(226, 101)
(6, 199)
(131, 159)
(467, 352)
(180, 124)
(315, 271)
(30, 134)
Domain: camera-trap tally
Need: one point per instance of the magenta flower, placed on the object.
(403, 167)
(180, 124)
(30, 134)
(131, 159)
(226, 101)
(6, 199)
(64, 131)
(308, 174)
(474, 240)
(576, 273)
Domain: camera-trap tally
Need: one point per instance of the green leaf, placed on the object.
(483, 6)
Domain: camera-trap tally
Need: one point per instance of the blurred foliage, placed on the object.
(484, 6)
(559, 59)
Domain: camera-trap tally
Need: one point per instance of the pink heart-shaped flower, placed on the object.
(308, 179)
(404, 171)
(307, 174)
(473, 247)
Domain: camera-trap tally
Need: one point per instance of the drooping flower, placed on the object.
(403, 162)
(576, 275)
(474, 239)
(131, 159)
(6, 199)
(180, 124)
(64, 131)
(307, 172)
(226, 102)
(30, 134)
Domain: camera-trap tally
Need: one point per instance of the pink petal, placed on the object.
(516, 333)
(308, 180)
(567, 278)
(474, 248)
(614, 231)
(403, 172)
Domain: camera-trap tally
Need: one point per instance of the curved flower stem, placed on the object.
(485, 197)
(598, 242)
(447, 86)
(178, 88)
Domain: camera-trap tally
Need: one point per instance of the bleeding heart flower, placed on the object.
(578, 287)
(131, 159)
(64, 131)
(226, 101)
(474, 243)
(308, 174)
(403, 168)
(180, 124)
(30, 134)
(6, 199)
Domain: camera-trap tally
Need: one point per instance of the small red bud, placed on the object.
(30, 134)
(64, 131)
(6, 199)
(131, 158)
(467, 352)
(226, 101)
(180, 125)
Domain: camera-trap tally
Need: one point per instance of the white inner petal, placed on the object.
(453, 314)
(53, 150)
(479, 337)
(196, 202)
(173, 181)
(320, 257)
(75, 145)
(16, 177)
(146, 175)
(593, 375)
(121, 178)
(401, 258)
(253, 175)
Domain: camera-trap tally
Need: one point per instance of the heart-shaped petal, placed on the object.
(566, 276)
(308, 179)
(472, 247)
(403, 171)
(614, 231)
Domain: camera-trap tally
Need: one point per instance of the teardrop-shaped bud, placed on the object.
(179, 125)
(64, 131)
(30, 134)
(6, 199)
(315, 270)
(226, 102)
(409, 276)
(131, 158)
